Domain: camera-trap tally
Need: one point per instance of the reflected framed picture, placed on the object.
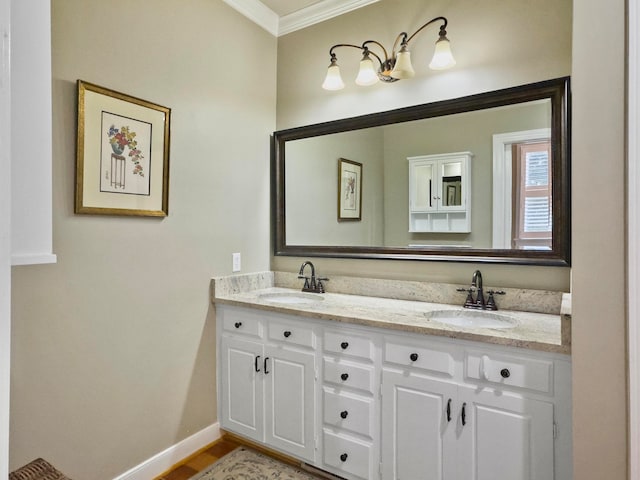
(122, 159)
(349, 190)
(452, 195)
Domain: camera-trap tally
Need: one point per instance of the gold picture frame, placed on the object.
(122, 159)
(349, 190)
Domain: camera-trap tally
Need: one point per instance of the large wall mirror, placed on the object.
(483, 178)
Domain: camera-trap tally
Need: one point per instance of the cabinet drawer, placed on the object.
(246, 323)
(347, 343)
(347, 454)
(346, 374)
(425, 358)
(349, 412)
(292, 333)
(510, 370)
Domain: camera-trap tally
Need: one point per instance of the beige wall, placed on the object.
(598, 224)
(533, 42)
(312, 189)
(113, 347)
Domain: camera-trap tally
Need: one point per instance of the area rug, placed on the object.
(39, 469)
(246, 464)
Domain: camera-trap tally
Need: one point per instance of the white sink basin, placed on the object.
(291, 298)
(471, 318)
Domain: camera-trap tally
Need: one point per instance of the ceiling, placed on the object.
(280, 17)
(285, 7)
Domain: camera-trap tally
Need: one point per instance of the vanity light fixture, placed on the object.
(394, 67)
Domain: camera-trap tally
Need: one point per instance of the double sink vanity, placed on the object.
(378, 379)
(381, 379)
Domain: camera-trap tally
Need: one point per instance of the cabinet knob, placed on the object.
(344, 376)
(343, 457)
(237, 324)
(344, 345)
(287, 334)
(344, 414)
(413, 357)
(505, 373)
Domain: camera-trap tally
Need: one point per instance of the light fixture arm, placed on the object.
(363, 48)
(443, 31)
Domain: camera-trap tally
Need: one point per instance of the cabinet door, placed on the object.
(453, 184)
(423, 187)
(504, 436)
(418, 439)
(242, 387)
(290, 401)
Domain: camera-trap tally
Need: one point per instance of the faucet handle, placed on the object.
(468, 303)
(319, 285)
(306, 282)
(491, 301)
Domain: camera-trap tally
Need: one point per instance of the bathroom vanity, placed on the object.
(367, 387)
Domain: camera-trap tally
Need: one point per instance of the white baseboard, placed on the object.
(164, 460)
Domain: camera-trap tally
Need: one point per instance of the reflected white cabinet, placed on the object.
(439, 193)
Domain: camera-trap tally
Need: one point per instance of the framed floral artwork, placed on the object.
(122, 162)
(349, 190)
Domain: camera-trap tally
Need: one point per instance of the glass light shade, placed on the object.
(403, 67)
(442, 57)
(333, 80)
(367, 74)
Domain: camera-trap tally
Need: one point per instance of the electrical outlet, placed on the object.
(236, 262)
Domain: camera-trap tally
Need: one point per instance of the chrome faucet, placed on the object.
(479, 302)
(311, 284)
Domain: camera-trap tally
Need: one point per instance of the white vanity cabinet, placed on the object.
(350, 390)
(368, 403)
(439, 193)
(449, 412)
(267, 381)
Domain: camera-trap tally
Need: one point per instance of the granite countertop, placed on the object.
(536, 331)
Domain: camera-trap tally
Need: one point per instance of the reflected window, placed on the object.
(532, 209)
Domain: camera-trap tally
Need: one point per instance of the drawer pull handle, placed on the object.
(344, 457)
(287, 334)
(344, 414)
(344, 376)
(449, 410)
(344, 345)
(505, 373)
(255, 364)
(237, 324)
(413, 357)
(266, 372)
(464, 414)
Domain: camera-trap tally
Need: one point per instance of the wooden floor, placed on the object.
(201, 460)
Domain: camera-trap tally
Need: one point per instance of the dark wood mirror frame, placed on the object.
(556, 90)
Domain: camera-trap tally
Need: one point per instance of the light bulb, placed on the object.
(403, 67)
(367, 74)
(333, 80)
(442, 57)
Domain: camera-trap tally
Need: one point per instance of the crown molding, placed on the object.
(317, 13)
(259, 13)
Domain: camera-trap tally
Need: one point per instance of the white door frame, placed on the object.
(633, 240)
(502, 179)
(5, 234)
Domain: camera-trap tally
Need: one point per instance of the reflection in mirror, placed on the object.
(478, 178)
